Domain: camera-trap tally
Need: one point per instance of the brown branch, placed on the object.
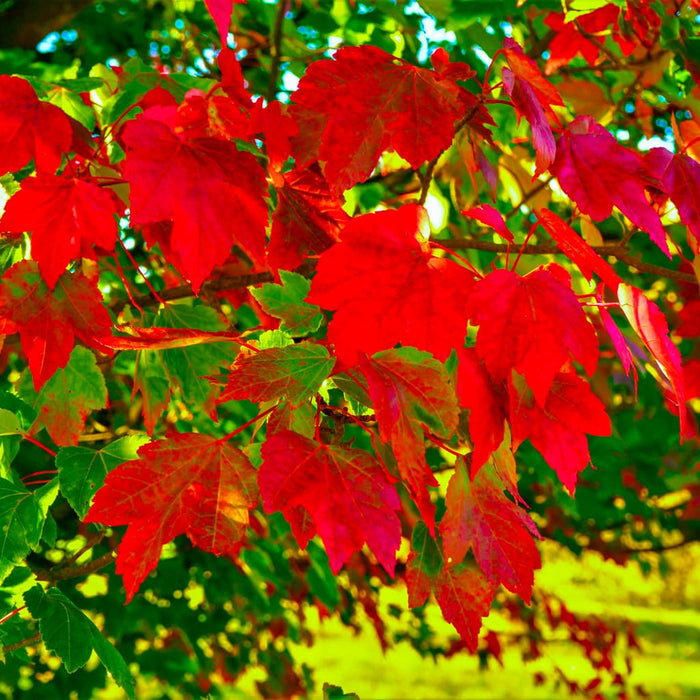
(90, 567)
(276, 49)
(27, 22)
(527, 196)
(9, 648)
(552, 249)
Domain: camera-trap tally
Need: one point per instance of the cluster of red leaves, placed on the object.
(197, 195)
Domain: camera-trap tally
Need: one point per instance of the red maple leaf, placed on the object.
(207, 114)
(577, 250)
(490, 216)
(306, 221)
(410, 390)
(479, 516)
(213, 193)
(463, 593)
(189, 483)
(487, 402)
(65, 216)
(30, 129)
(533, 96)
(650, 324)
(386, 288)
(220, 11)
(365, 101)
(599, 174)
(346, 492)
(48, 320)
(557, 429)
(533, 324)
(680, 177)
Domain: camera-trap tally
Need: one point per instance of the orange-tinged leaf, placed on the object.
(533, 324)
(346, 491)
(386, 288)
(48, 320)
(66, 216)
(479, 516)
(189, 483)
(295, 371)
(411, 391)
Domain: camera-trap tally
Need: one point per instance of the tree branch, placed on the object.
(26, 23)
(9, 648)
(276, 49)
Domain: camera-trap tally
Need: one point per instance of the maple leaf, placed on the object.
(220, 11)
(48, 320)
(306, 221)
(487, 402)
(650, 325)
(294, 371)
(204, 115)
(533, 324)
(410, 389)
(203, 186)
(577, 250)
(65, 216)
(490, 216)
(190, 483)
(364, 101)
(30, 129)
(680, 176)
(533, 97)
(386, 288)
(346, 492)
(599, 174)
(463, 593)
(479, 516)
(557, 429)
(67, 397)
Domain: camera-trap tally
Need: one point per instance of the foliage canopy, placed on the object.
(357, 300)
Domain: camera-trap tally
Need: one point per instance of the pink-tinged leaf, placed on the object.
(490, 216)
(49, 320)
(599, 174)
(463, 593)
(30, 129)
(364, 101)
(295, 372)
(386, 288)
(66, 216)
(306, 221)
(213, 194)
(577, 250)
(533, 96)
(410, 390)
(220, 11)
(680, 176)
(558, 429)
(487, 402)
(480, 517)
(346, 491)
(618, 340)
(650, 325)
(533, 324)
(188, 484)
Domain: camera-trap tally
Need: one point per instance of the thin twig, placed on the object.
(9, 648)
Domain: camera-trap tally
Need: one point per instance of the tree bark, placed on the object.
(26, 23)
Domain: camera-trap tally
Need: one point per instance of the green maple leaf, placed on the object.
(81, 470)
(66, 399)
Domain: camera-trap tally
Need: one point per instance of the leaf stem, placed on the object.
(247, 424)
(140, 271)
(38, 444)
(12, 613)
